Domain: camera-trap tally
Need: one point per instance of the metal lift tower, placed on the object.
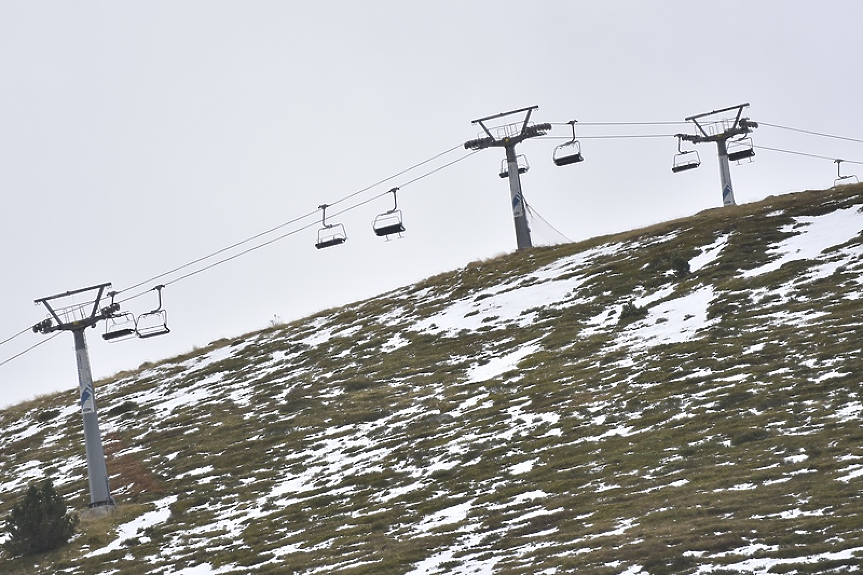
(76, 318)
(507, 137)
(720, 132)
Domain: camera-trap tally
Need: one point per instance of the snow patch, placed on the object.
(134, 527)
(816, 234)
(500, 365)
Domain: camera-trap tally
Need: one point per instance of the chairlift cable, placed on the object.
(401, 186)
(211, 255)
(294, 231)
(831, 158)
(608, 137)
(625, 136)
(221, 261)
(622, 123)
(436, 170)
(812, 133)
(252, 238)
(309, 226)
(276, 228)
(31, 348)
(22, 332)
(394, 176)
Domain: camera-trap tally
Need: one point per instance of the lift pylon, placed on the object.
(67, 315)
(507, 137)
(720, 131)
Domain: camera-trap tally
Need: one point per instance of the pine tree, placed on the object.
(40, 522)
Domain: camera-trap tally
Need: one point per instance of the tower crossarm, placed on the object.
(492, 142)
(80, 319)
(524, 130)
(738, 127)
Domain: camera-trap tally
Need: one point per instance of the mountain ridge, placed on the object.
(595, 407)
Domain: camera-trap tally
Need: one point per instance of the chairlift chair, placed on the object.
(331, 234)
(843, 180)
(155, 322)
(570, 152)
(521, 162)
(740, 149)
(119, 325)
(685, 159)
(389, 222)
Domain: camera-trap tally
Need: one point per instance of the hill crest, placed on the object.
(595, 407)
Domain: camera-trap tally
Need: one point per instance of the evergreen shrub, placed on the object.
(39, 523)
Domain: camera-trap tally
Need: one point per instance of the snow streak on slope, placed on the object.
(671, 321)
(813, 235)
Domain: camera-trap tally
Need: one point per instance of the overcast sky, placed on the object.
(137, 137)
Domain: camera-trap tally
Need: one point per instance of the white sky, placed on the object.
(136, 137)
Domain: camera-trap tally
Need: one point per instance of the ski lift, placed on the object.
(570, 152)
(118, 325)
(740, 149)
(684, 160)
(155, 322)
(843, 180)
(521, 162)
(389, 222)
(331, 234)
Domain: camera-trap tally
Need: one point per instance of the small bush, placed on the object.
(749, 436)
(124, 407)
(680, 267)
(40, 522)
(630, 312)
(47, 415)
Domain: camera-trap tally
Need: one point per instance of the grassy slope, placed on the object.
(289, 454)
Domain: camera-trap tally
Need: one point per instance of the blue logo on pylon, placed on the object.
(87, 401)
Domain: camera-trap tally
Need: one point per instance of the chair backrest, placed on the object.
(568, 153)
(120, 327)
(153, 323)
(331, 235)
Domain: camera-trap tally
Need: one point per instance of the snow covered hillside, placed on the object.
(681, 399)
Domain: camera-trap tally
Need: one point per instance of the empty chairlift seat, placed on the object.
(740, 149)
(330, 234)
(521, 162)
(843, 180)
(155, 322)
(389, 223)
(568, 153)
(687, 160)
(119, 327)
(684, 159)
